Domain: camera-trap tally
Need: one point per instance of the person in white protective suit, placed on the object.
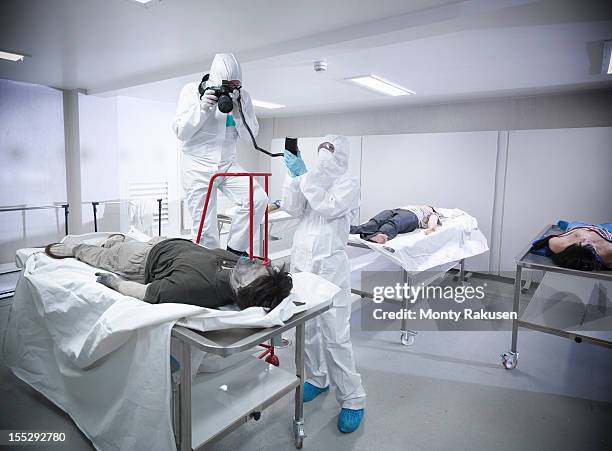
(325, 200)
(208, 145)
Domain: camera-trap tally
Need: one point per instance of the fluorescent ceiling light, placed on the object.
(145, 3)
(11, 56)
(375, 83)
(268, 105)
(606, 67)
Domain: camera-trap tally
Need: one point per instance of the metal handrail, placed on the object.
(65, 206)
(94, 205)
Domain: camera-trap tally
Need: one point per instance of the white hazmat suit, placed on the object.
(208, 145)
(325, 200)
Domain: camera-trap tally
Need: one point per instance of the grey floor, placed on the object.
(447, 392)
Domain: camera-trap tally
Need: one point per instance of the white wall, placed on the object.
(552, 175)
(448, 170)
(147, 150)
(32, 165)
(99, 159)
(124, 140)
(518, 184)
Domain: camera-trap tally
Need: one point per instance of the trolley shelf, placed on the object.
(574, 307)
(224, 400)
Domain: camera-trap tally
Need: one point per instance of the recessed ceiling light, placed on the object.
(378, 84)
(268, 105)
(11, 56)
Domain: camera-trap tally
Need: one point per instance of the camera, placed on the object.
(225, 102)
(291, 144)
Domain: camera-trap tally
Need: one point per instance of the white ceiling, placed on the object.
(442, 50)
(102, 44)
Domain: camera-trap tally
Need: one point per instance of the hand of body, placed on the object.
(125, 287)
(295, 164)
(432, 224)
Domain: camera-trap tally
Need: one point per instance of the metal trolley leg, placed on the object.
(510, 358)
(298, 421)
(407, 337)
(185, 398)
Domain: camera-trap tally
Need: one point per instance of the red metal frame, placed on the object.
(250, 175)
(268, 354)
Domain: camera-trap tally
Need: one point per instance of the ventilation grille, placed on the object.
(152, 191)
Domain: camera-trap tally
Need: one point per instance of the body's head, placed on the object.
(333, 155)
(580, 249)
(580, 257)
(259, 285)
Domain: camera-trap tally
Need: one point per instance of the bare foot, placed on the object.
(381, 238)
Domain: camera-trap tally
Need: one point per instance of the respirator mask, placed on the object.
(245, 272)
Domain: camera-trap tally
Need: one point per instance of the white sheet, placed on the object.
(103, 357)
(458, 237)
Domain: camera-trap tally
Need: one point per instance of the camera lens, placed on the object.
(225, 103)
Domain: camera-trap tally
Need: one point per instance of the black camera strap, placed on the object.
(270, 154)
(201, 85)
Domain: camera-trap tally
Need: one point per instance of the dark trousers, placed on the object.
(389, 222)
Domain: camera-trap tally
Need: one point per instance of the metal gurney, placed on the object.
(231, 398)
(455, 240)
(104, 358)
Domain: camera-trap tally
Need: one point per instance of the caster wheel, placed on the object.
(407, 338)
(283, 344)
(509, 360)
(298, 434)
(273, 360)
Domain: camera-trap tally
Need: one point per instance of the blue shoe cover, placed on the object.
(311, 391)
(349, 420)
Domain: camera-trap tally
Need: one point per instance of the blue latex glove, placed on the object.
(295, 164)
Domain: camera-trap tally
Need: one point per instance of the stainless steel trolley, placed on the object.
(214, 404)
(407, 336)
(527, 260)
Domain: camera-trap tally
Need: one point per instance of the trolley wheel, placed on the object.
(407, 338)
(273, 360)
(299, 434)
(509, 360)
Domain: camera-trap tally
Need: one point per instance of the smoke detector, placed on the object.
(320, 65)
